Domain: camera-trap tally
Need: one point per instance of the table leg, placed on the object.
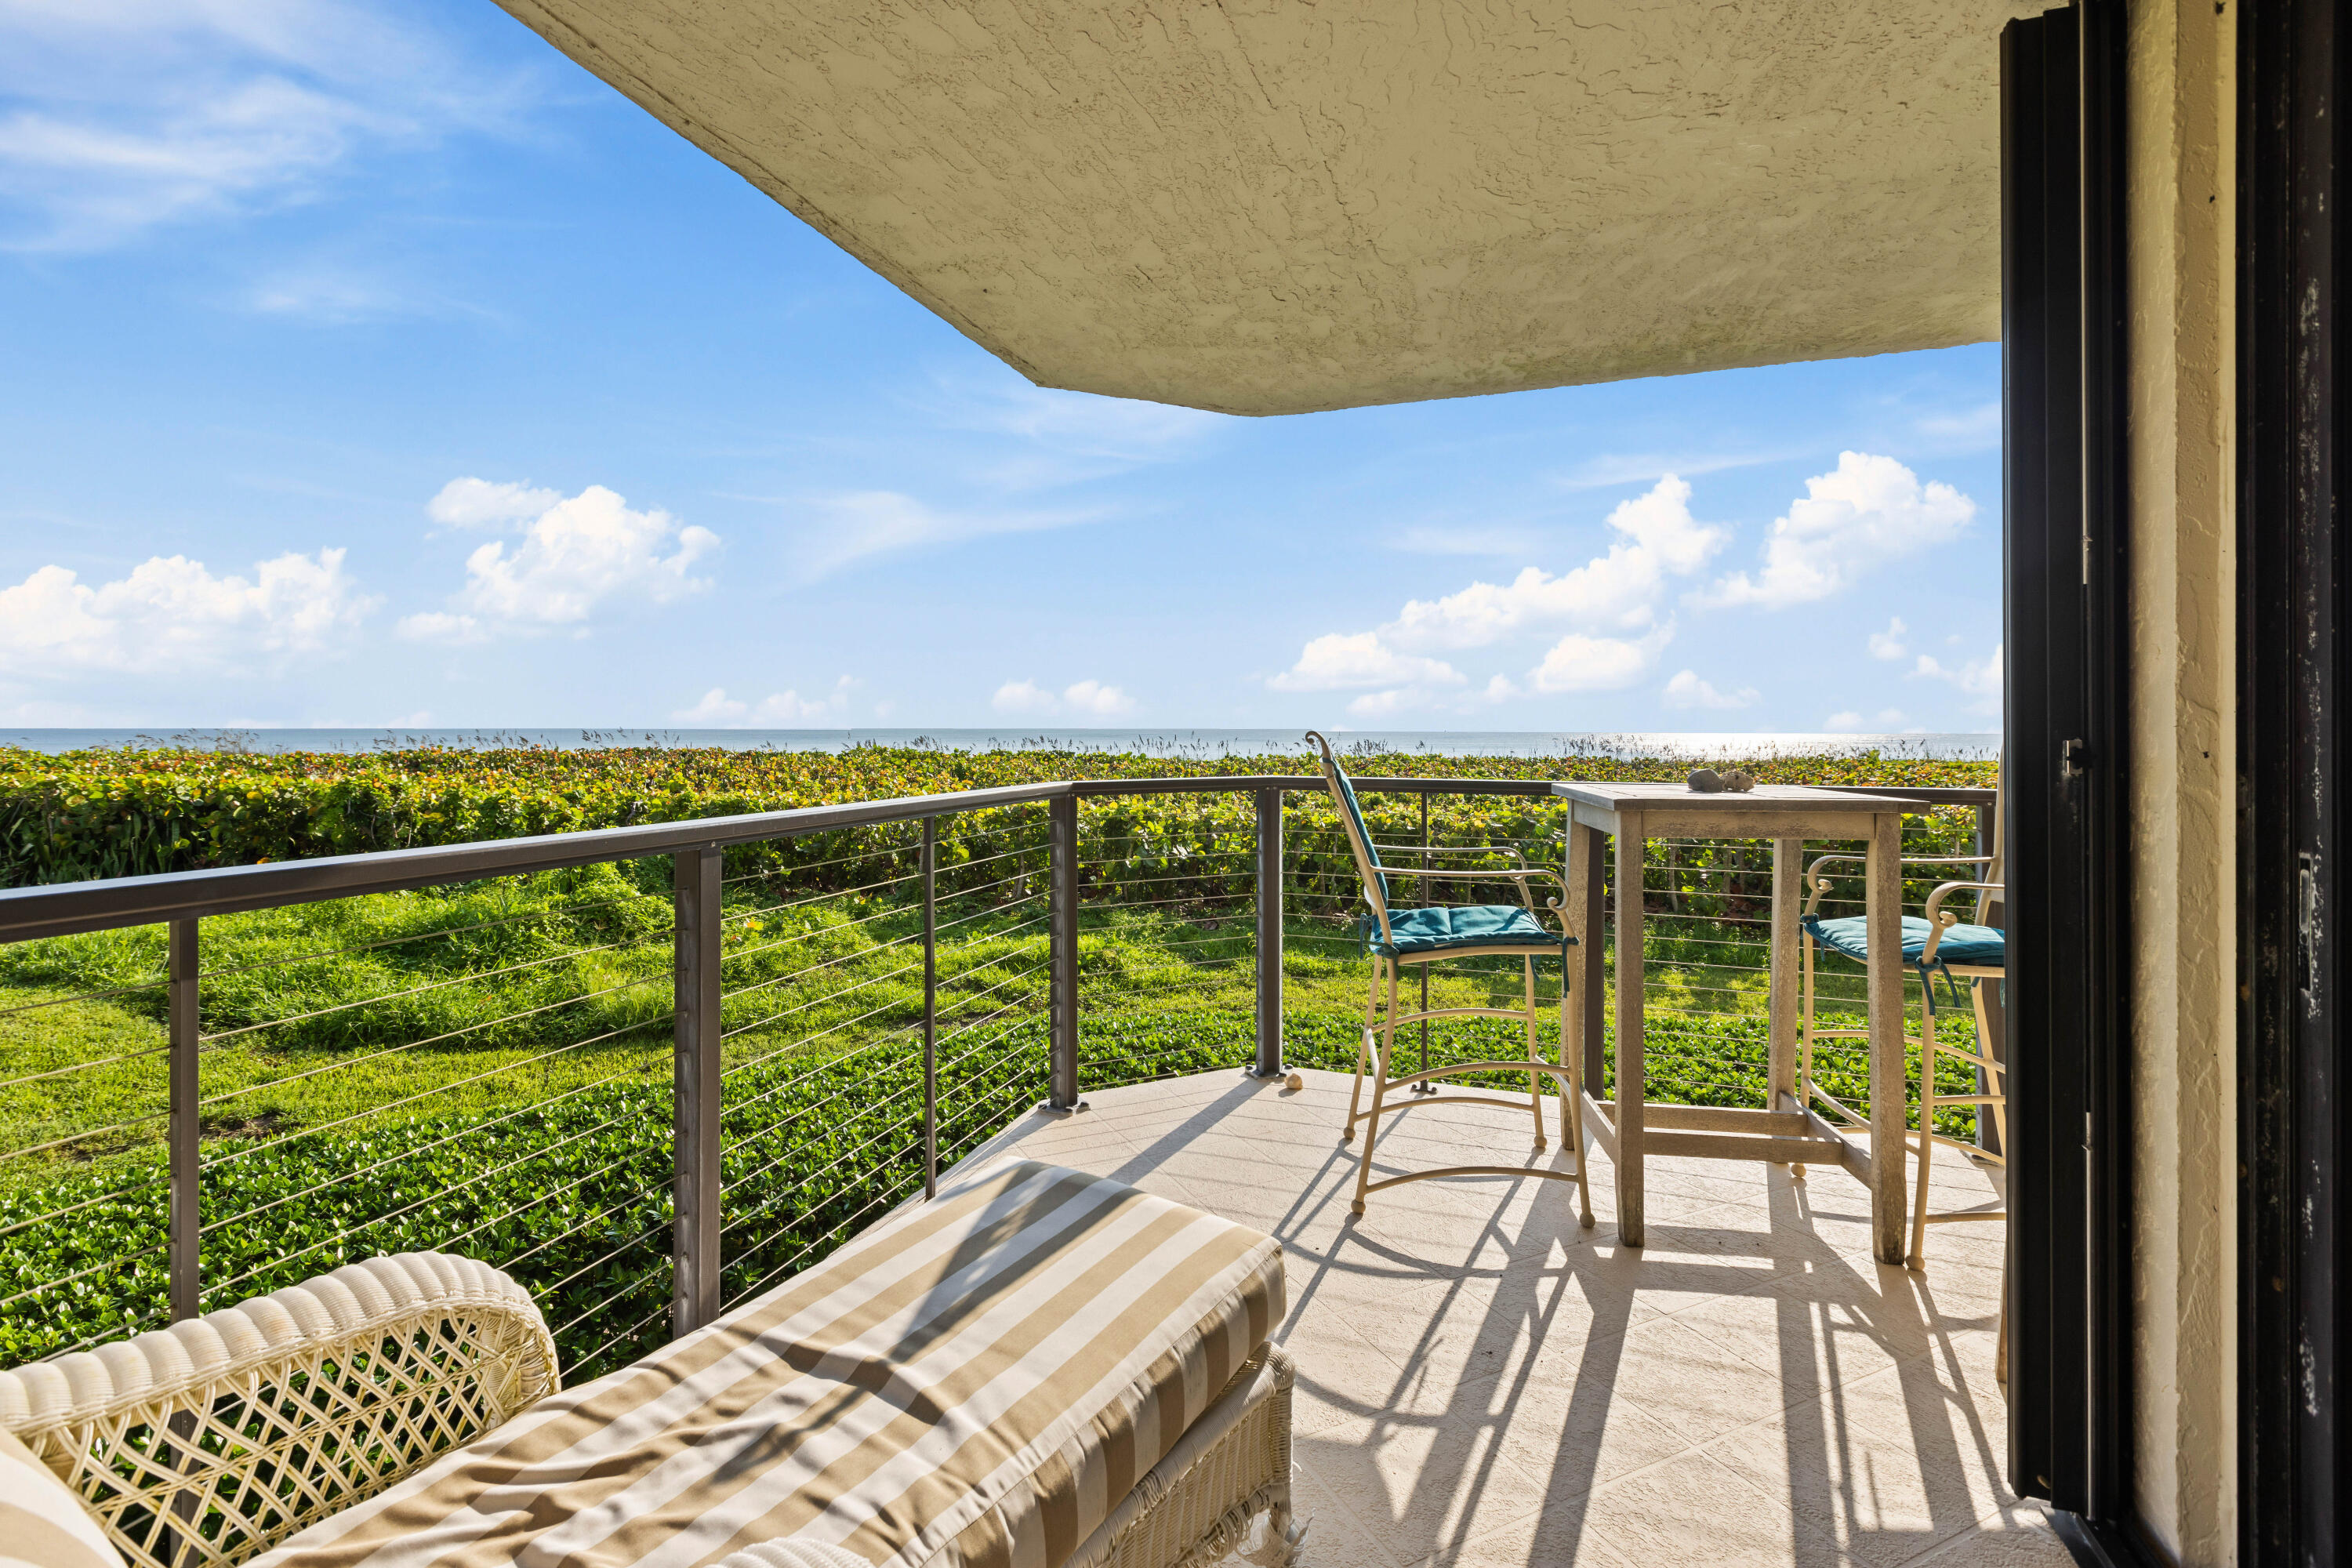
(1788, 898)
(1630, 1085)
(1586, 913)
(1882, 912)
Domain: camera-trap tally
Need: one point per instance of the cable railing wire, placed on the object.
(1145, 887)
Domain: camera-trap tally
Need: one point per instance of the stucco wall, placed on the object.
(2180, 211)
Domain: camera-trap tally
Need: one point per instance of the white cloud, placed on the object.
(1023, 697)
(1581, 663)
(877, 522)
(1083, 422)
(577, 558)
(1087, 699)
(1643, 467)
(1888, 644)
(480, 503)
(1339, 661)
(1381, 704)
(1978, 679)
(777, 711)
(134, 113)
(1065, 438)
(436, 626)
(1620, 589)
(171, 615)
(1688, 690)
(1867, 511)
(1092, 696)
(1610, 608)
(1850, 722)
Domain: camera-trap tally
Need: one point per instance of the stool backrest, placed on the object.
(1989, 904)
(1359, 836)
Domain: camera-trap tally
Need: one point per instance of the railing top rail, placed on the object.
(68, 907)
(63, 909)
(1365, 784)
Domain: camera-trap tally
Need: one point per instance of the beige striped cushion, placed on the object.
(41, 1522)
(974, 1384)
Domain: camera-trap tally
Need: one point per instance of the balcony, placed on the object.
(652, 1071)
(1481, 1382)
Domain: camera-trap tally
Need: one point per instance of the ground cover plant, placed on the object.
(486, 1067)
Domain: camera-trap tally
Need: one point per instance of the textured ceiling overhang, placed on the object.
(1270, 207)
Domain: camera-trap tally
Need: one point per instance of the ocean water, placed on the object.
(1194, 744)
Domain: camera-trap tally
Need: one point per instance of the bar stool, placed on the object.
(1394, 938)
(1934, 942)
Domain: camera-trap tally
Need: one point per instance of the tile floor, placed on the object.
(1481, 1382)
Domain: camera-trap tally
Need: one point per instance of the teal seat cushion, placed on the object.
(1459, 925)
(1979, 947)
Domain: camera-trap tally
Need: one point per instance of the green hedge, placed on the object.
(125, 813)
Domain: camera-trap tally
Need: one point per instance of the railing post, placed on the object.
(694, 1283)
(931, 1007)
(1421, 895)
(1269, 934)
(184, 1249)
(1062, 1083)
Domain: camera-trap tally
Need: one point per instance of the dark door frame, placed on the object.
(2295, 651)
(2064, 558)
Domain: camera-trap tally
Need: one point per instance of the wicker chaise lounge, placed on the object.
(1038, 1367)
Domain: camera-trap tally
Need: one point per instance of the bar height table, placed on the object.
(1785, 1131)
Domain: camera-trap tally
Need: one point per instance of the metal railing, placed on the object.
(1026, 885)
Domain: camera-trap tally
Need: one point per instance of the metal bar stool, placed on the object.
(1395, 938)
(1933, 944)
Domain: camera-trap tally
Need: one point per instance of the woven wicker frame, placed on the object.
(1204, 1510)
(207, 1443)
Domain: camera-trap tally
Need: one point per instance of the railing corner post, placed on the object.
(930, 1006)
(1269, 934)
(1062, 1087)
(695, 1103)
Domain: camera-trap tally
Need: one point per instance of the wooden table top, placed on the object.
(1659, 798)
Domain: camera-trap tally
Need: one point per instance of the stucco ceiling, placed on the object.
(1268, 207)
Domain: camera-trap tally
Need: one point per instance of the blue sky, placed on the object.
(373, 366)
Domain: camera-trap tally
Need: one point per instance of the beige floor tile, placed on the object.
(1810, 1346)
(1692, 1513)
(1571, 1439)
(1678, 1378)
(1483, 1384)
(1340, 1377)
(1335, 1538)
(1422, 1484)
(1537, 1322)
(1879, 1500)
(1554, 1538)
(1934, 1404)
(2025, 1539)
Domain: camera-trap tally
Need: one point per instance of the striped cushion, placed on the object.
(974, 1384)
(41, 1522)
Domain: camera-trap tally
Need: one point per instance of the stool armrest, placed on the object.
(1820, 884)
(1941, 920)
(1522, 875)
